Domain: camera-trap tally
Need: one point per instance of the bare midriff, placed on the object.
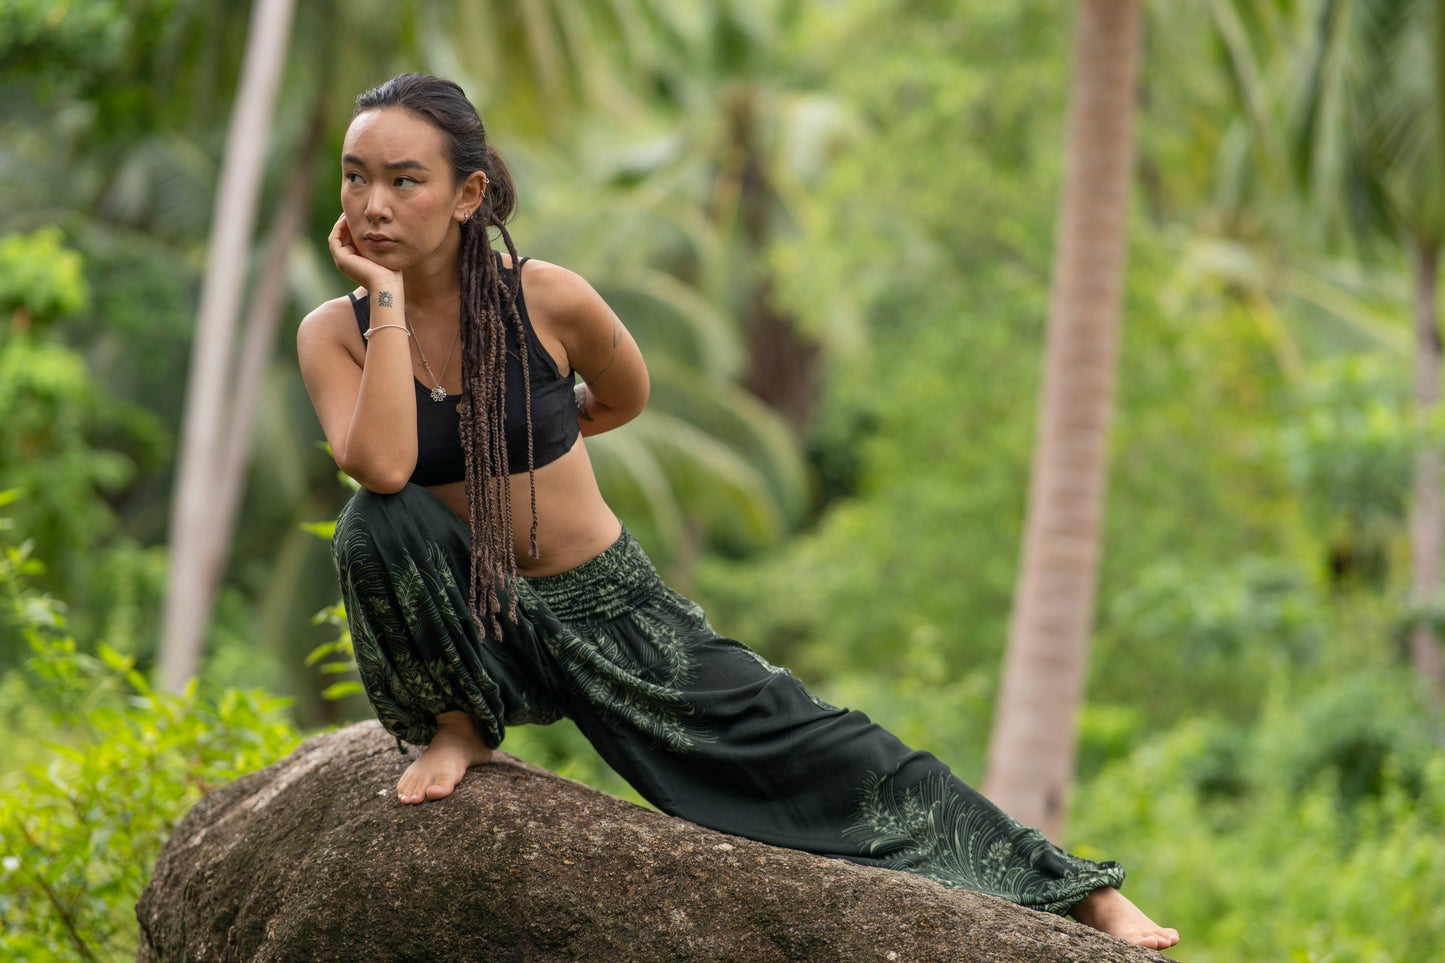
(574, 524)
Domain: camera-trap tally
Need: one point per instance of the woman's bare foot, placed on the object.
(457, 745)
(1111, 911)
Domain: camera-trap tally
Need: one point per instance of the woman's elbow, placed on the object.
(619, 412)
(383, 479)
(625, 409)
(389, 485)
(636, 400)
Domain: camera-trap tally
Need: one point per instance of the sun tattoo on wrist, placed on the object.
(384, 299)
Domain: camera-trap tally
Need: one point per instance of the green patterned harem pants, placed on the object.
(702, 726)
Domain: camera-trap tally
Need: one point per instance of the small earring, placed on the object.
(468, 218)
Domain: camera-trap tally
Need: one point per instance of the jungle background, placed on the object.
(830, 227)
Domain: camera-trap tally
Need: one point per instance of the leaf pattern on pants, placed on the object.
(702, 726)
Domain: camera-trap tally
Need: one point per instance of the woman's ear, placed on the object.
(470, 198)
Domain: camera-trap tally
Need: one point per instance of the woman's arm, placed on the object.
(614, 385)
(363, 392)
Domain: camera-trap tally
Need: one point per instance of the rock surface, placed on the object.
(313, 858)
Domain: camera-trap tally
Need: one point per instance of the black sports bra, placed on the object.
(439, 458)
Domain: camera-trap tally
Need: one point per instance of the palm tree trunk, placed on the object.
(1427, 520)
(1031, 752)
(263, 320)
(1427, 524)
(197, 541)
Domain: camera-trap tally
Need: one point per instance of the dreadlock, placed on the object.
(488, 312)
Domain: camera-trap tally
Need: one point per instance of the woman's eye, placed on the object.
(405, 182)
(351, 177)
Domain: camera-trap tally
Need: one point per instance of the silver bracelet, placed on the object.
(366, 335)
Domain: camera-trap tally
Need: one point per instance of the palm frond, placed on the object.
(662, 463)
(638, 490)
(736, 419)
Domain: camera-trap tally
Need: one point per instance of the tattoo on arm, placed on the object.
(581, 396)
(616, 339)
(384, 299)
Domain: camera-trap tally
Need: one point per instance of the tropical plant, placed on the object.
(81, 827)
(1359, 91)
(69, 445)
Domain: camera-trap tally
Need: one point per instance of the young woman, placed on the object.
(488, 584)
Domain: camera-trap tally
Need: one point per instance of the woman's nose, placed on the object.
(376, 207)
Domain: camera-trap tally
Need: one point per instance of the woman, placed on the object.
(470, 613)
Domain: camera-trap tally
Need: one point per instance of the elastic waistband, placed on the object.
(606, 586)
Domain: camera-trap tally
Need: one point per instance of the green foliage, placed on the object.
(70, 446)
(1223, 634)
(82, 824)
(21, 609)
(137, 336)
(112, 59)
(922, 437)
(1312, 835)
(335, 657)
(53, 414)
(58, 449)
(925, 437)
(40, 277)
(1351, 449)
(51, 36)
(82, 831)
(924, 701)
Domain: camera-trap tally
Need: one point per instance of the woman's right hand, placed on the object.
(355, 265)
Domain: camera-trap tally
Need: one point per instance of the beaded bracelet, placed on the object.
(366, 335)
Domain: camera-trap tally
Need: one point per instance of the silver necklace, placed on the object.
(438, 393)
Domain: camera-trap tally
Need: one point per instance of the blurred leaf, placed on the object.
(340, 690)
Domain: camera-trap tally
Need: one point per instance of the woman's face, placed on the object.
(397, 189)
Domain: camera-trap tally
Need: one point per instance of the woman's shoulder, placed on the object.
(333, 320)
(553, 289)
(334, 313)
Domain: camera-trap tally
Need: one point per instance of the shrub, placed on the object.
(80, 829)
(1300, 857)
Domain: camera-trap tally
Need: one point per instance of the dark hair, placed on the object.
(488, 310)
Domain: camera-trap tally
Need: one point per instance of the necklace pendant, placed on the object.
(439, 393)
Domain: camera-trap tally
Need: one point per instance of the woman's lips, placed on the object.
(379, 241)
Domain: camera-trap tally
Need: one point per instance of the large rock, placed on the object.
(313, 858)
